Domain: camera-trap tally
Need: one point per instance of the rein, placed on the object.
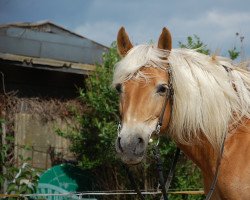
(165, 185)
(212, 187)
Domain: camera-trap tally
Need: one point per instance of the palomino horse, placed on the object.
(211, 102)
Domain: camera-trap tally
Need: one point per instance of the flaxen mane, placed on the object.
(210, 93)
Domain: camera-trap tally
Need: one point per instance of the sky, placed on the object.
(216, 22)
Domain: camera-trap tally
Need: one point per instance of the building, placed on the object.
(41, 67)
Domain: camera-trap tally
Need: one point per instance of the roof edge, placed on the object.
(44, 22)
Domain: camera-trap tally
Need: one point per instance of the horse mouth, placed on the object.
(131, 160)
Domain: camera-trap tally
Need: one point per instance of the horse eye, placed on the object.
(162, 88)
(118, 88)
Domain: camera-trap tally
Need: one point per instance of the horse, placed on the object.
(210, 108)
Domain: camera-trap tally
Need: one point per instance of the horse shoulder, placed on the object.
(234, 181)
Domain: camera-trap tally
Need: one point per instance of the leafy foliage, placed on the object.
(233, 53)
(194, 42)
(93, 144)
(24, 182)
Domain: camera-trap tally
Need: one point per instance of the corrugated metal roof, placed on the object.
(44, 27)
(48, 46)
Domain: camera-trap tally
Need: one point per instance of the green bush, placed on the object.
(94, 142)
(194, 42)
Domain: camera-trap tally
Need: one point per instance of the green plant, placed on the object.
(24, 181)
(93, 143)
(194, 42)
(233, 53)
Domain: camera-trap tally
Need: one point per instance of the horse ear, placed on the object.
(123, 42)
(165, 40)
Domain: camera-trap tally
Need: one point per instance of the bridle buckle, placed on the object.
(158, 129)
(119, 128)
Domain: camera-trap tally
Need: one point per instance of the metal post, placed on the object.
(46, 158)
(32, 156)
(4, 170)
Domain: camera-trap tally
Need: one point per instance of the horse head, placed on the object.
(142, 80)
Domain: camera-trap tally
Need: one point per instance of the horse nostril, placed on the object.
(140, 140)
(119, 144)
(140, 147)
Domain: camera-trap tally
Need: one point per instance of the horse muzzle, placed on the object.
(131, 148)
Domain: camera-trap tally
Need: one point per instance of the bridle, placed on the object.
(169, 98)
(164, 185)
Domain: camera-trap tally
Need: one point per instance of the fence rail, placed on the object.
(104, 193)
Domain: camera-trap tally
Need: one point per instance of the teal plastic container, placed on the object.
(64, 179)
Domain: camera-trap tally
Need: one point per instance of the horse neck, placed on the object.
(203, 155)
